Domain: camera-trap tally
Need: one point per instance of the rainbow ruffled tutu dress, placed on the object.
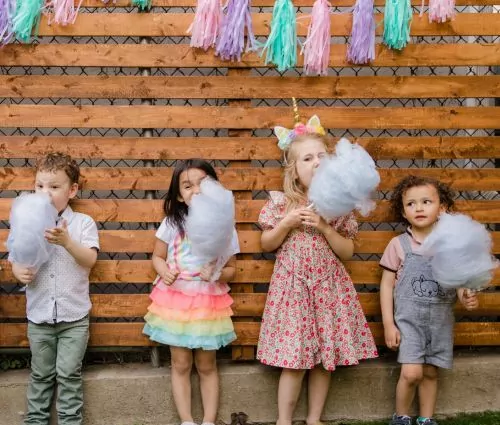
(190, 313)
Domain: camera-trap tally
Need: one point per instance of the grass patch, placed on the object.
(485, 418)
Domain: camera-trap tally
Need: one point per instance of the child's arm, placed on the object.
(159, 258)
(391, 332)
(273, 238)
(468, 298)
(84, 256)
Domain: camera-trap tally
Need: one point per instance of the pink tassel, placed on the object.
(441, 10)
(62, 12)
(206, 24)
(316, 48)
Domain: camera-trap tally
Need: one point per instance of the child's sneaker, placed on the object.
(400, 420)
(426, 421)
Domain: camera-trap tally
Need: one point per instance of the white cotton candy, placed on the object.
(210, 220)
(344, 182)
(30, 216)
(461, 252)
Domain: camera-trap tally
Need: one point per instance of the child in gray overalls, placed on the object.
(417, 312)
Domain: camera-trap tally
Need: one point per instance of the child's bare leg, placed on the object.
(288, 394)
(206, 365)
(410, 377)
(427, 391)
(318, 386)
(182, 362)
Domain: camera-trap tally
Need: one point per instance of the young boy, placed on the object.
(58, 300)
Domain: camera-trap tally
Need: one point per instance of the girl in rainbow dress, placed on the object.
(190, 309)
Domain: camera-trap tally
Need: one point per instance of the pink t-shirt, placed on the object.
(394, 256)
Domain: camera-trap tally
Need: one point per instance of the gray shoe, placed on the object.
(400, 420)
(427, 421)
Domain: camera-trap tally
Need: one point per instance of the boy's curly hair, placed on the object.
(445, 192)
(55, 161)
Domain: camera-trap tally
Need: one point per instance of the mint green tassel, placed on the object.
(281, 45)
(397, 20)
(142, 4)
(27, 19)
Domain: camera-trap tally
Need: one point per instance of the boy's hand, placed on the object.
(207, 271)
(392, 337)
(59, 235)
(22, 274)
(469, 299)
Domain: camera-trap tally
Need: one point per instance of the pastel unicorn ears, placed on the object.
(284, 136)
(314, 126)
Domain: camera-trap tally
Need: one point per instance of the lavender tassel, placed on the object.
(361, 48)
(231, 41)
(7, 12)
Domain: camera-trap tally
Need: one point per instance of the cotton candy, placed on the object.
(30, 216)
(210, 221)
(344, 182)
(461, 252)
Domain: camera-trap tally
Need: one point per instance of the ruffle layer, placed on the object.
(189, 315)
(213, 342)
(195, 287)
(219, 326)
(175, 300)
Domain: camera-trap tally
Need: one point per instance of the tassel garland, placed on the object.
(316, 48)
(361, 48)
(441, 10)
(27, 19)
(62, 12)
(231, 41)
(397, 20)
(205, 27)
(281, 46)
(7, 12)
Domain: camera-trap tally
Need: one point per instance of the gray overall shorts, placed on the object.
(423, 312)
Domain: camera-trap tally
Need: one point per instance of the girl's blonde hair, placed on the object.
(295, 193)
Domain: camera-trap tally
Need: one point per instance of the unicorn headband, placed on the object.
(286, 136)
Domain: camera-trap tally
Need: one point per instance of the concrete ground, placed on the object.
(137, 394)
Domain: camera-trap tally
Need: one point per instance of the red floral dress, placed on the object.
(312, 312)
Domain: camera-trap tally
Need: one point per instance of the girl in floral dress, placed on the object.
(312, 319)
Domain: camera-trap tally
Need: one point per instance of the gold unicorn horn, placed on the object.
(296, 114)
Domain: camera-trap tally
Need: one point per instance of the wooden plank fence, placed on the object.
(239, 150)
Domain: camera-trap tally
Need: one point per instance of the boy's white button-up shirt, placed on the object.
(60, 290)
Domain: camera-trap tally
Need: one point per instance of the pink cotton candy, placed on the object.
(62, 12)
(316, 48)
(441, 10)
(206, 24)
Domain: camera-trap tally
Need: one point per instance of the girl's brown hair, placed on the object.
(295, 193)
(446, 194)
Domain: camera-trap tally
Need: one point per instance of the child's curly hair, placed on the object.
(445, 192)
(55, 161)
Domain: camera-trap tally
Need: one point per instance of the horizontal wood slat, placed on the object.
(151, 211)
(245, 305)
(142, 116)
(130, 334)
(266, 3)
(247, 271)
(242, 148)
(358, 87)
(170, 56)
(256, 178)
(367, 242)
(176, 25)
